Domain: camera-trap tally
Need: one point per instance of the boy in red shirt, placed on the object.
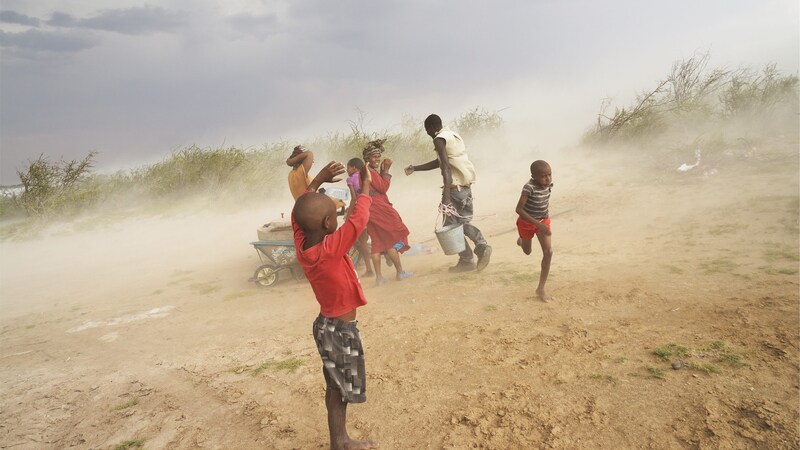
(322, 252)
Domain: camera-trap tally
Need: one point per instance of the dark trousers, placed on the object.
(462, 202)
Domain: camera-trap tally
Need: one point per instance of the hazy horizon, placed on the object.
(139, 80)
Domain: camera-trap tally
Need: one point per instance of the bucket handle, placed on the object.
(444, 211)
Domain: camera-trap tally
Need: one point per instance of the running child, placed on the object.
(533, 208)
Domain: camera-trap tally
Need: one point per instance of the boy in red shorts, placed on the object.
(322, 252)
(533, 208)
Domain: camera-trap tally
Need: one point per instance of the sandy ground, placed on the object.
(147, 331)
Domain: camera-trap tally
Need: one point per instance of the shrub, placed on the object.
(58, 190)
(479, 121)
(55, 187)
(748, 92)
(691, 96)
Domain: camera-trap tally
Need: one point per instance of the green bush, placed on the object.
(751, 92)
(693, 99)
(56, 187)
(478, 121)
(191, 169)
(228, 175)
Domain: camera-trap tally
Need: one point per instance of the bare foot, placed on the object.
(358, 445)
(543, 296)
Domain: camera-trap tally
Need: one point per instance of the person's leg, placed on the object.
(337, 424)
(482, 248)
(394, 256)
(465, 208)
(376, 263)
(363, 249)
(525, 244)
(525, 234)
(465, 257)
(337, 417)
(547, 256)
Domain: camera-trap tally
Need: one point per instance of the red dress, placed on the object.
(385, 226)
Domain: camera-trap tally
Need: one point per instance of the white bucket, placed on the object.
(451, 238)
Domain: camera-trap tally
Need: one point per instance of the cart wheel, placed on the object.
(265, 276)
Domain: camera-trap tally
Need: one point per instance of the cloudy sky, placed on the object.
(135, 80)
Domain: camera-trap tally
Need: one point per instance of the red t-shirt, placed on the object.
(330, 271)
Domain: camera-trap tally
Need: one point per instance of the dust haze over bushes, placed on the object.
(713, 110)
(694, 107)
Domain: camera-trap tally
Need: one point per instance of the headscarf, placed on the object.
(372, 148)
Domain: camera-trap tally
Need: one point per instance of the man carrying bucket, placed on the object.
(458, 174)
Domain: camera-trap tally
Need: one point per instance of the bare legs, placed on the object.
(337, 421)
(394, 256)
(547, 256)
(363, 250)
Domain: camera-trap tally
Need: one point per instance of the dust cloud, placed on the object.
(148, 327)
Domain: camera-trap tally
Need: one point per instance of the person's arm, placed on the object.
(444, 165)
(327, 174)
(340, 242)
(353, 195)
(523, 198)
(378, 184)
(422, 167)
(360, 222)
(366, 179)
(305, 158)
(386, 164)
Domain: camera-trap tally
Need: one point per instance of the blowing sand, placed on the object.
(148, 332)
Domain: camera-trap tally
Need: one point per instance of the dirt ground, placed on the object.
(147, 333)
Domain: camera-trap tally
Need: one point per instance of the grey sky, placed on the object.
(136, 80)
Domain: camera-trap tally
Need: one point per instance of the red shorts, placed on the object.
(527, 230)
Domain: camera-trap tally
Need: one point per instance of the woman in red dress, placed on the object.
(386, 229)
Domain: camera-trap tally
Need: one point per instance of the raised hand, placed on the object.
(366, 179)
(327, 175)
(409, 170)
(386, 164)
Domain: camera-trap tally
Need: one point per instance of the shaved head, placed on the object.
(539, 167)
(311, 210)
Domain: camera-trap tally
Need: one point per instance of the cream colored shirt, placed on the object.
(461, 168)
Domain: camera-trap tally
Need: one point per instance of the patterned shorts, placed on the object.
(339, 345)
